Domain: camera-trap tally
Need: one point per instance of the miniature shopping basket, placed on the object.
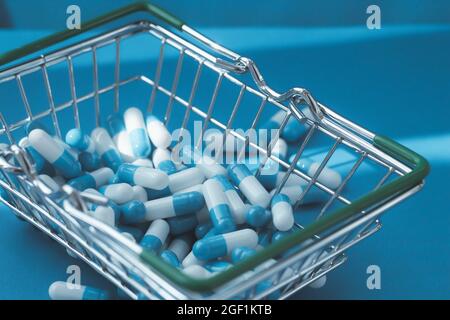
(391, 171)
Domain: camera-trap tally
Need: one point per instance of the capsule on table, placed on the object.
(137, 132)
(258, 216)
(177, 250)
(237, 206)
(222, 244)
(157, 132)
(94, 179)
(54, 153)
(282, 213)
(143, 176)
(208, 165)
(119, 193)
(119, 134)
(156, 235)
(328, 177)
(217, 203)
(249, 185)
(176, 205)
(106, 149)
(162, 159)
(61, 290)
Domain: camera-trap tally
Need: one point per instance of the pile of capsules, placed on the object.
(199, 215)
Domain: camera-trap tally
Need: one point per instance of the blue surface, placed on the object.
(393, 81)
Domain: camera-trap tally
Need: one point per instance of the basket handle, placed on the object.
(101, 20)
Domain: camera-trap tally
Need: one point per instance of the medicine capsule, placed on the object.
(282, 213)
(139, 193)
(60, 290)
(182, 224)
(78, 140)
(237, 206)
(156, 235)
(143, 162)
(202, 229)
(185, 178)
(137, 132)
(89, 161)
(217, 266)
(119, 193)
(293, 130)
(217, 203)
(162, 160)
(208, 165)
(106, 149)
(249, 185)
(328, 177)
(177, 250)
(143, 176)
(119, 134)
(41, 165)
(197, 271)
(222, 244)
(158, 133)
(94, 179)
(273, 180)
(176, 205)
(313, 196)
(54, 153)
(110, 214)
(191, 260)
(258, 216)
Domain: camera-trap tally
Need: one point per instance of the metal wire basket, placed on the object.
(320, 242)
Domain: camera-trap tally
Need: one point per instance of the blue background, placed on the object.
(394, 81)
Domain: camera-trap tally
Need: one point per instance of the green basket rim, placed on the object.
(394, 149)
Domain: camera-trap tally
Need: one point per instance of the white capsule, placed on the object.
(162, 159)
(119, 193)
(180, 247)
(156, 235)
(137, 132)
(217, 203)
(106, 148)
(105, 215)
(191, 260)
(196, 188)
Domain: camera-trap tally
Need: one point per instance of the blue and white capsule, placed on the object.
(119, 134)
(156, 235)
(172, 206)
(249, 185)
(328, 177)
(157, 132)
(89, 161)
(109, 214)
(282, 212)
(258, 216)
(183, 224)
(237, 206)
(54, 153)
(177, 250)
(40, 163)
(139, 193)
(106, 149)
(208, 165)
(219, 209)
(143, 176)
(137, 132)
(79, 140)
(223, 244)
(119, 193)
(218, 266)
(94, 179)
(143, 162)
(162, 159)
(60, 290)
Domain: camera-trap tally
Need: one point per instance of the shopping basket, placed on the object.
(338, 223)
